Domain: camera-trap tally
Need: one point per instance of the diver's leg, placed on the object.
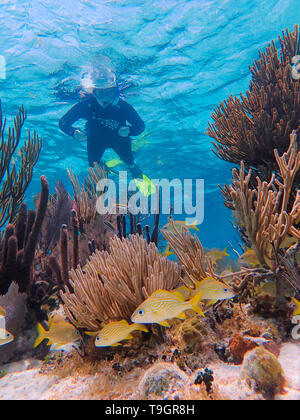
(95, 151)
(123, 148)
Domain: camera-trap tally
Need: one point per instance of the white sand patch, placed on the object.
(23, 380)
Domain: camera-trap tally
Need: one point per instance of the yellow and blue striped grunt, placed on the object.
(297, 310)
(177, 225)
(116, 331)
(211, 288)
(60, 333)
(5, 337)
(163, 305)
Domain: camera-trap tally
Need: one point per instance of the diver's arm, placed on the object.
(137, 125)
(77, 112)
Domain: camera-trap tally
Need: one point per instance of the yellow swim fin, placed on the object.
(113, 162)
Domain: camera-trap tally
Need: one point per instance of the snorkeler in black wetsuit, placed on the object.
(110, 121)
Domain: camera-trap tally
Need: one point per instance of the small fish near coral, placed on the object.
(211, 288)
(297, 310)
(114, 332)
(60, 333)
(2, 311)
(217, 254)
(175, 226)
(163, 305)
(5, 337)
(249, 257)
(166, 252)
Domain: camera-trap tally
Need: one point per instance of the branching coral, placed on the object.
(113, 284)
(19, 244)
(85, 195)
(91, 224)
(14, 182)
(267, 222)
(98, 228)
(189, 252)
(58, 213)
(263, 212)
(250, 128)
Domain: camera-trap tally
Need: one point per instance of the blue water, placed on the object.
(183, 57)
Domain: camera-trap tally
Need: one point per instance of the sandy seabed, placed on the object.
(23, 380)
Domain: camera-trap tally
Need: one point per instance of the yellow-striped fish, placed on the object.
(217, 254)
(2, 311)
(56, 319)
(211, 288)
(116, 331)
(297, 310)
(270, 288)
(163, 305)
(166, 252)
(250, 257)
(59, 334)
(266, 288)
(177, 224)
(5, 337)
(288, 241)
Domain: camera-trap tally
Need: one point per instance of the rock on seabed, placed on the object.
(262, 369)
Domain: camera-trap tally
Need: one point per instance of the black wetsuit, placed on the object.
(102, 127)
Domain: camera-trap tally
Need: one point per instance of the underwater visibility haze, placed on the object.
(213, 88)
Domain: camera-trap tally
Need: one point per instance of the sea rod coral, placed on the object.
(266, 220)
(249, 128)
(14, 182)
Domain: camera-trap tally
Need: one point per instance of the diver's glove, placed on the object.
(80, 135)
(124, 131)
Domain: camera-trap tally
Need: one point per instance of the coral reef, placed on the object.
(58, 213)
(19, 244)
(267, 222)
(190, 253)
(97, 269)
(15, 181)
(20, 286)
(113, 284)
(249, 128)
